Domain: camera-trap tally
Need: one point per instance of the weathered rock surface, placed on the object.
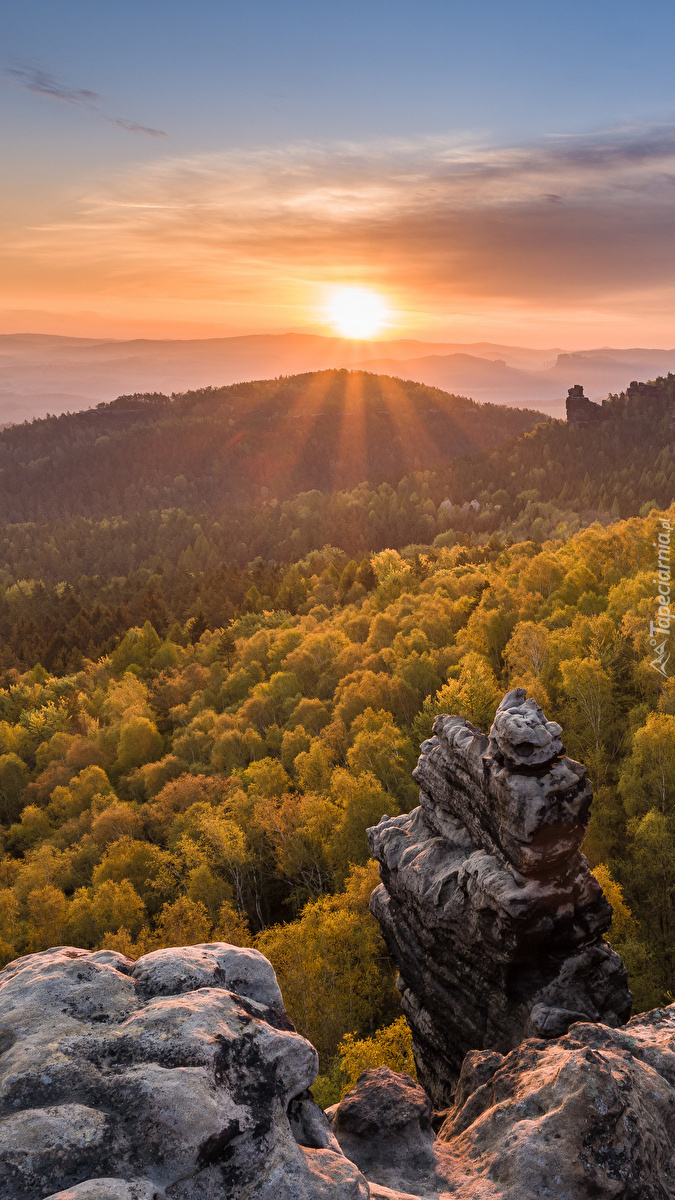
(110, 1189)
(591, 1114)
(155, 1081)
(178, 1076)
(384, 1126)
(486, 903)
(588, 1115)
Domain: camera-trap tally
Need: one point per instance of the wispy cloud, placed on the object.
(567, 215)
(570, 224)
(39, 81)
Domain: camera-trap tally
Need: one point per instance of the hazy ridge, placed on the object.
(41, 373)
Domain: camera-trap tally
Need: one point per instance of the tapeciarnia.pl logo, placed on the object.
(659, 629)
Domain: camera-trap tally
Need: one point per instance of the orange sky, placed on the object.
(567, 242)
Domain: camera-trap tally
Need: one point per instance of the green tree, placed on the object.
(648, 776)
(332, 966)
(14, 776)
(389, 1047)
(361, 802)
(589, 711)
(47, 912)
(380, 749)
(299, 829)
(231, 927)
(266, 778)
(116, 905)
(185, 922)
(9, 929)
(650, 885)
(140, 742)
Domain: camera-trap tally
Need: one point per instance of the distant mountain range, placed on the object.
(42, 373)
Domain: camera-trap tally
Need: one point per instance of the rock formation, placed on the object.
(486, 903)
(179, 1077)
(581, 410)
(590, 1114)
(384, 1126)
(176, 1076)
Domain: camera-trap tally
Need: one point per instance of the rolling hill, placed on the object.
(236, 445)
(499, 381)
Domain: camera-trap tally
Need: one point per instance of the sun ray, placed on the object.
(418, 444)
(352, 453)
(297, 426)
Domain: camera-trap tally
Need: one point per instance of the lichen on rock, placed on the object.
(177, 1076)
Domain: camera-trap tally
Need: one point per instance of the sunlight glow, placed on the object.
(356, 312)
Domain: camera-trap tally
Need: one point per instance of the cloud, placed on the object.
(583, 225)
(36, 80)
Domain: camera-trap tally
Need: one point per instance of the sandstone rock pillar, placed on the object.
(486, 902)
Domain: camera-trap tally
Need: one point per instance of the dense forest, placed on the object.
(77, 501)
(71, 585)
(193, 742)
(237, 445)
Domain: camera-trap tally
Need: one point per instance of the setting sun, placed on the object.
(356, 313)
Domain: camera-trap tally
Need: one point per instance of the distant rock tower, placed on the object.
(581, 410)
(486, 903)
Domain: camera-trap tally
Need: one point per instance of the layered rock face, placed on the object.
(486, 903)
(179, 1075)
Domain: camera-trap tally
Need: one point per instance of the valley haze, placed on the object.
(48, 373)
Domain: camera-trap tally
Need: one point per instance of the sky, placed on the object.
(499, 171)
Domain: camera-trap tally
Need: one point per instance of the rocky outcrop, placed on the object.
(486, 903)
(581, 410)
(590, 1114)
(157, 1080)
(178, 1076)
(384, 1126)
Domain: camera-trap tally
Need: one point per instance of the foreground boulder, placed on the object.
(179, 1075)
(384, 1126)
(486, 903)
(590, 1114)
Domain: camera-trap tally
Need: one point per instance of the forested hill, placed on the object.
(322, 430)
(206, 698)
(204, 783)
(70, 586)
